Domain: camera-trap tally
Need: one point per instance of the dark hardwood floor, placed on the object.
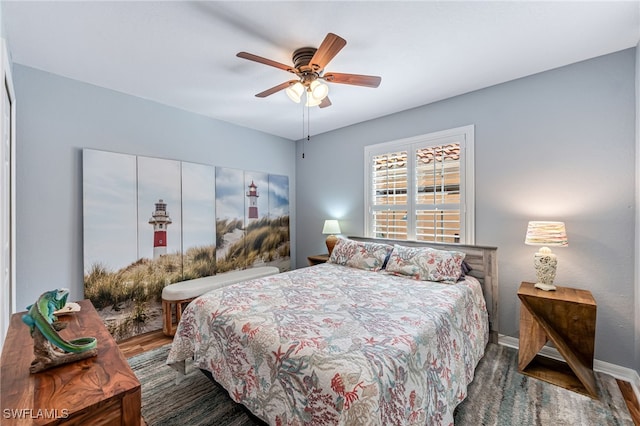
(155, 339)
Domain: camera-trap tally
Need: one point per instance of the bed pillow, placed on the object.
(359, 254)
(426, 264)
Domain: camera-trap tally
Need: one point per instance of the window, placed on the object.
(421, 188)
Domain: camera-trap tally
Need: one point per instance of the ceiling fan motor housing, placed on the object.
(301, 58)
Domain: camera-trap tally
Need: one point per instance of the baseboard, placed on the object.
(622, 373)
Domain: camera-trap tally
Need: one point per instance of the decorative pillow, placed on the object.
(359, 254)
(426, 264)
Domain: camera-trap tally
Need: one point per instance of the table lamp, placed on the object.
(331, 227)
(545, 234)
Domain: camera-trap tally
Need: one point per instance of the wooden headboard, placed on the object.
(484, 266)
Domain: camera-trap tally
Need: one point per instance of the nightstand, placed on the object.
(317, 259)
(567, 318)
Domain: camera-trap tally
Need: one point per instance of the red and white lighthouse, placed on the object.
(160, 220)
(253, 201)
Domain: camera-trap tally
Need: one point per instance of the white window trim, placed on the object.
(466, 135)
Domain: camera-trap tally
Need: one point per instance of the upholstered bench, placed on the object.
(174, 296)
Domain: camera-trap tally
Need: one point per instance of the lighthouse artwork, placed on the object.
(160, 220)
(152, 222)
(253, 201)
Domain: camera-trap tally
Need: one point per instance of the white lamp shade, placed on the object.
(295, 92)
(319, 90)
(545, 233)
(331, 226)
(311, 101)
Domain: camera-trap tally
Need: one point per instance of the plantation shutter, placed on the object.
(390, 188)
(437, 196)
(419, 188)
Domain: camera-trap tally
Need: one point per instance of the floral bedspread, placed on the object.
(333, 345)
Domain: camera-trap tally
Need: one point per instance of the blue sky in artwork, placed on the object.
(232, 186)
(109, 209)
(198, 205)
(230, 196)
(278, 195)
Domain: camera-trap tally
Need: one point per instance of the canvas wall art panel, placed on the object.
(278, 191)
(230, 229)
(198, 220)
(159, 207)
(109, 210)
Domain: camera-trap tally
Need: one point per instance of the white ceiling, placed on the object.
(183, 53)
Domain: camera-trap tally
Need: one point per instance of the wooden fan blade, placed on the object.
(275, 89)
(260, 59)
(354, 79)
(325, 102)
(329, 48)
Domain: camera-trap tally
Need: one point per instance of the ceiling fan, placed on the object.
(308, 66)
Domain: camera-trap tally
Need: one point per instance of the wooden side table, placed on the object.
(566, 317)
(102, 390)
(317, 259)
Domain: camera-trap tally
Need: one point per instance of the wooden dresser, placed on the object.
(101, 390)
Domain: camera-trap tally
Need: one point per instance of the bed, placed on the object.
(366, 338)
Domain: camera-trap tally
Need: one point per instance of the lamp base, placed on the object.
(545, 264)
(545, 287)
(331, 243)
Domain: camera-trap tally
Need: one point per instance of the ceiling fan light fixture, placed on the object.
(312, 100)
(318, 90)
(295, 92)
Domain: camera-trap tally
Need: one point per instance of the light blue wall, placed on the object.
(58, 117)
(556, 145)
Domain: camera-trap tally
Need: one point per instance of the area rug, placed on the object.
(498, 395)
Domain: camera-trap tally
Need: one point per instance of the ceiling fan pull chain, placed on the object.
(303, 130)
(308, 121)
